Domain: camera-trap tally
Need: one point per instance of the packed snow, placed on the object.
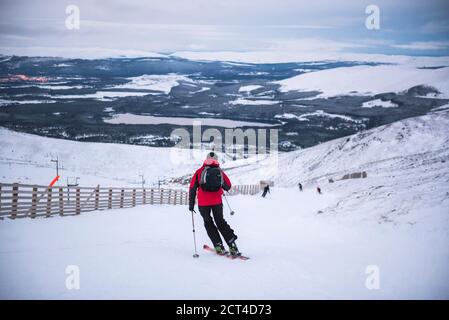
(146, 253)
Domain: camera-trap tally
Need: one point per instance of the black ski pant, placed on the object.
(217, 223)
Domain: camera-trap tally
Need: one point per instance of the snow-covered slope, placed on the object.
(26, 158)
(163, 83)
(407, 167)
(406, 164)
(302, 244)
(368, 80)
(146, 253)
(398, 73)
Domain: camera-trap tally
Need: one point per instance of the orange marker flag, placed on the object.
(54, 181)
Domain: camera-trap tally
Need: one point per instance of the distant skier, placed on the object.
(318, 189)
(265, 190)
(300, 186)
(209, 180)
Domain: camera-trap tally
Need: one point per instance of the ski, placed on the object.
(227, 254)
(240, 256)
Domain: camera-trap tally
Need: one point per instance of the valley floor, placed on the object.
(146, 253)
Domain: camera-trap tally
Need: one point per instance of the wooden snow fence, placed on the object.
(247, 189)
(24, 200)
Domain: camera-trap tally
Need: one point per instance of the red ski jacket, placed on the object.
(206, 198)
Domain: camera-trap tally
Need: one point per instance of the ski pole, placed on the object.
(194, 237)
(232, 211)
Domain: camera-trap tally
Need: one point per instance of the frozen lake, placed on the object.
(127, 118)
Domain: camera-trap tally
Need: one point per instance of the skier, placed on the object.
(300, 186)
(318, 189)
(265, 190)
(209, 180)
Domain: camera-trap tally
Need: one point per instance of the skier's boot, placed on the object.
(220, 249)
(233, 250)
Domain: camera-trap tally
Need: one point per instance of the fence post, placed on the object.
(134, 197)
(15, 196)
(0, 196)
(33, 202)
(61, 201)
(49, 196)
(97, 197)
(161, 192)
(110, 199)
(122, 194)
(151, 196)
(176, 197)
(144, 196)
(78, 201)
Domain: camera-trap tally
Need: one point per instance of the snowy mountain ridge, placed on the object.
(369, 80)
(406, 163)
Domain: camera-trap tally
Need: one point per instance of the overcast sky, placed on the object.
(414, 27)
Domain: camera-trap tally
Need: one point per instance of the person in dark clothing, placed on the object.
(318, 189)
(300, 186)
(210, 181)
(265, 190)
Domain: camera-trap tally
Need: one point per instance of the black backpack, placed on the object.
(211, 179)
